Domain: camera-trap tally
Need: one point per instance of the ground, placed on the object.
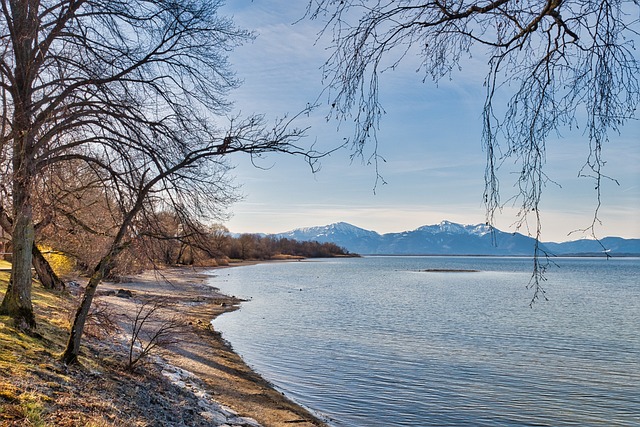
(192, 379)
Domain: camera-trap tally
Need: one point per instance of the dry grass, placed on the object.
(28, 368)
(36, 389)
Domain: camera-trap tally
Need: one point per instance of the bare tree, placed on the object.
(193, 183)
(82, 219)
(561, 62)
(148, 332)
(122, 86)
(174, 237)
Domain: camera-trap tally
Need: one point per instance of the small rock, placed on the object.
(124, 293)
(215, 418)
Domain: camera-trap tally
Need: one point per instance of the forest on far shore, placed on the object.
(220, 247)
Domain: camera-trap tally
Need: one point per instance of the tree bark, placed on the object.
(17, 299)
(75, 336)
(47, 276)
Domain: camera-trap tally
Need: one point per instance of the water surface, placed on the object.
(375, 341)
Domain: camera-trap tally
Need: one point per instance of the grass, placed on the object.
(25, 360)
(18, 402)
(28, 364)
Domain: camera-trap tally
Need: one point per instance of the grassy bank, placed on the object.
(37, 390)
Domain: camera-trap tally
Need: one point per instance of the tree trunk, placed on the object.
(47, 276)
(17, 300)
(101, 270)
(180, 252)
(75, 336)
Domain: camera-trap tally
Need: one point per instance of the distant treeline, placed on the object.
(218, 247)
(253, 246)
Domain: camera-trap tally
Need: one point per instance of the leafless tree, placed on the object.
(148, 331)
(80, 208)
(193, 182)
(560, 63)
(125, 87)
(174, 237)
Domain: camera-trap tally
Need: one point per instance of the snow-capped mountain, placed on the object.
(454, 228)
(449, 238)
(350, 237)
(445, 238)
(338, 228)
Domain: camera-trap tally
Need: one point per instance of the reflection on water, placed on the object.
(377, 342)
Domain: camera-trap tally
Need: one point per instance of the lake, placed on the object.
(377, 341)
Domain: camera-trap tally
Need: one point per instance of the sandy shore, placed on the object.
(212, 369)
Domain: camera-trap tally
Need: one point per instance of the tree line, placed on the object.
(252, 246)
(72, 251)
(214, 245)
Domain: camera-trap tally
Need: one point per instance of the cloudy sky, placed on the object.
(429, 138)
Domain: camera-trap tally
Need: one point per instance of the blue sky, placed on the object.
(429, 137)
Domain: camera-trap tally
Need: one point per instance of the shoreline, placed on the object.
(201, 351)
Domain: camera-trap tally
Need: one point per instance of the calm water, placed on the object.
(374, 342)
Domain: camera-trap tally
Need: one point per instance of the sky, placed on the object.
(430, 139)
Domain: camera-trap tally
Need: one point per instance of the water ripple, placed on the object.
(370, 343)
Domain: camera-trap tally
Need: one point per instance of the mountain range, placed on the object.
(449, 238)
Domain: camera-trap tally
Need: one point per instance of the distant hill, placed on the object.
(610, 245)
(449, 238)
